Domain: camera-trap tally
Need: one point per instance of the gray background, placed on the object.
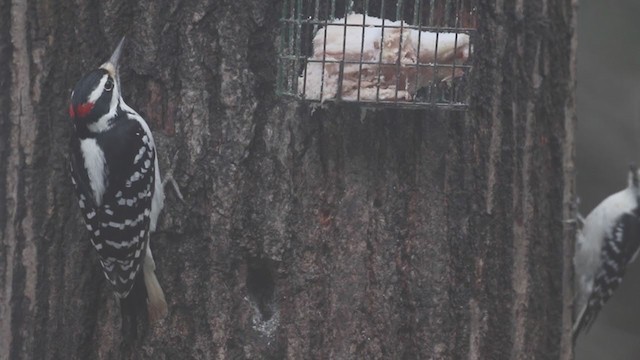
(608, 139)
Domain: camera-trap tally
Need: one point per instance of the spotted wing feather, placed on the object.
(119, 226)
(619, 250)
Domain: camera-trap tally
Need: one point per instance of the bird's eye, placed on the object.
(108, 86)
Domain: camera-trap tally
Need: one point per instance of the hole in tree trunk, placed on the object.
(261, 286)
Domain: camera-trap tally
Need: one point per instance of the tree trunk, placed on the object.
(338, 233)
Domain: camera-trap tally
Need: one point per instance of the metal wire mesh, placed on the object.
(405, 53)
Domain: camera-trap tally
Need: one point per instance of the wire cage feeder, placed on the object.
(405, 53)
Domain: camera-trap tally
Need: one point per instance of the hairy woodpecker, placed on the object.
(608, 241)
(114, 170)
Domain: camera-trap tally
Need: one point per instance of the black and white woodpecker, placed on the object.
(114, 168)
(607, 243)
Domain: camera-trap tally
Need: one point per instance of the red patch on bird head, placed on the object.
(81, 110)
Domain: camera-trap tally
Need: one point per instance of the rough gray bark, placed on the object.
(339, 233)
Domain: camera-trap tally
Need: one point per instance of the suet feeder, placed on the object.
(414, 54)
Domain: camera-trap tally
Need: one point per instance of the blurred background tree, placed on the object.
(608, 139)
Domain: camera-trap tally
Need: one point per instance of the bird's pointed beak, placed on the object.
(116, 53)
(112, 64)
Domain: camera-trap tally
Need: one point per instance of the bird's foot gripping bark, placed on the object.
(579, 219)
(168, 178)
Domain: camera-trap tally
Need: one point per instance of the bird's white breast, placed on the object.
(601, 220)
(598, 225)
(95, 164)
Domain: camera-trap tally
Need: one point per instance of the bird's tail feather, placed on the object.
(584, 320)
(156, 303)
(132, 308)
